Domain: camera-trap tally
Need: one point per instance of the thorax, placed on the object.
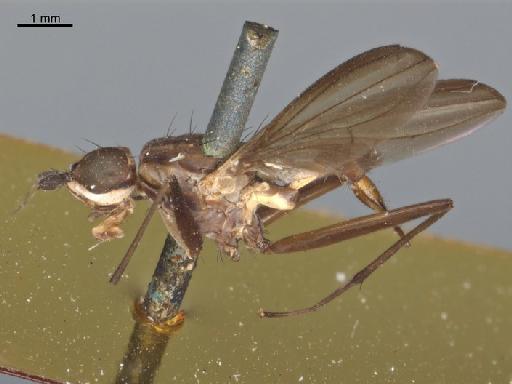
(179, 156)
(183, 157)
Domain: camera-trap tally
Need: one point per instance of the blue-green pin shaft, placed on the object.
(239, 89)
(174, 270)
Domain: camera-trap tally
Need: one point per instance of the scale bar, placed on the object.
(45, 25)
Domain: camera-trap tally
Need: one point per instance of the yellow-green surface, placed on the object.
(439, 312)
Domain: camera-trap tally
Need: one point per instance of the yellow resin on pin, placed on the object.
(166, 327)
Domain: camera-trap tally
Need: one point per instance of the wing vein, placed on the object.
(278, 138)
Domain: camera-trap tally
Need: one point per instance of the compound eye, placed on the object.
(106, 175)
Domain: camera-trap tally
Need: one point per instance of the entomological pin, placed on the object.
(381, 106)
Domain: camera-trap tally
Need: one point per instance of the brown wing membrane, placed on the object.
(346, 112)
(455, 109)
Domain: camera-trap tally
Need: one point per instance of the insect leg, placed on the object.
(138, 236)
(367, 193)
(170, 202)
(180, 221)
(306, 194)
(357, 227)
(109, 228)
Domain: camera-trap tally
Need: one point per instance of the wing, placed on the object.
(339, 118)
(378, 107)
(455, 109)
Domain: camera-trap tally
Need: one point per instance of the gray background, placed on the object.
(123, 71)
(120, 74)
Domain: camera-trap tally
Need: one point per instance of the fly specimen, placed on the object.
(379, 107)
